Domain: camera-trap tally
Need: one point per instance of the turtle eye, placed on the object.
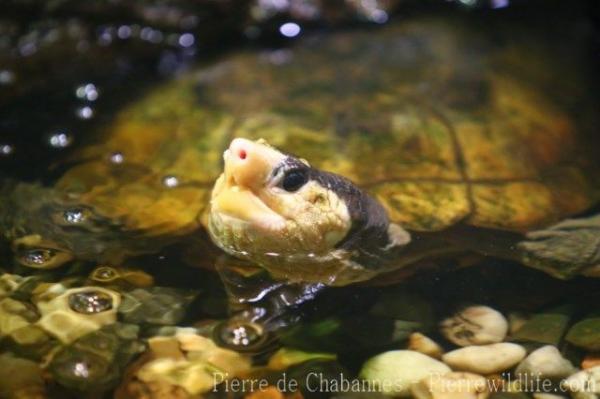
(294, 179)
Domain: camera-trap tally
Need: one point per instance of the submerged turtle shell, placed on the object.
(441, 125)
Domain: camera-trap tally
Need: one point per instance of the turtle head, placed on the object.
(270, 202)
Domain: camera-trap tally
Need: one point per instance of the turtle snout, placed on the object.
(248, 163)
(240, 148)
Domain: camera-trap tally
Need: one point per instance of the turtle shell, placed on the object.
(440, 124)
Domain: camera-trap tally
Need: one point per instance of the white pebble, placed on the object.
(475, 325)
(545, 362)
(585, 382)
(454, 385)
(485, 359)
(395, 371)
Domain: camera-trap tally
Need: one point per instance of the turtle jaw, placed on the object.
(236, 194)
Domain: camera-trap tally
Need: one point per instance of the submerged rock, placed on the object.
(20, 378)
(421, 343)
(544, 395)
(182, 366)
(453, 385)
(286, 357)
(475, 325)
(584, 382)
(586, 334)
(485, 359)
(95, 361)
(545, 362)
(590, 360)
(547, 327)
(395, 371)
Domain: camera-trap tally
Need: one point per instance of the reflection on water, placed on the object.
(113, 122)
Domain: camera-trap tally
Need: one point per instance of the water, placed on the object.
(112, 130)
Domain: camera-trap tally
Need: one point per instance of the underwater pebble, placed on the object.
(395, 371)
(96, 360)
(516, 320)
(286, 357)
(585, 381)
(485, 359)
(546, 327)
(191, 370)
(590, 360)
(585, 334)
(421, 343)
(453, 385)
(545, 362)
(543, 395)
(20, 378)
(475, 325)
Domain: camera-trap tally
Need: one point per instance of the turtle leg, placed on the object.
(566, 249)
(255, 295)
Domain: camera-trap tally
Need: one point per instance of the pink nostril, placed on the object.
(242, 154)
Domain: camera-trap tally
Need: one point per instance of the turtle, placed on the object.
(424, 138)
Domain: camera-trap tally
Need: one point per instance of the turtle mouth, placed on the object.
(237, 192)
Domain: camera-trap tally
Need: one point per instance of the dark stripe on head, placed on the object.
(369, 231)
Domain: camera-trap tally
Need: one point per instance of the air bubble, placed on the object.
(90, 302)
(117, 158)
(170, 181)
(60, 140)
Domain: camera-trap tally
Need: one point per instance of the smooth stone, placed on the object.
(546, 362)
(590, 360)
(475, 325)
(485, 359)
(516, 320)
(20, 378)
(584, 395)
(546, 328)
(421, 343)
(395, 371)
(454, 385)
(543, 395)
(95, 362)
(509, 395)
(585, 381)
(287, 357)
(195, 371)
(585, 334)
